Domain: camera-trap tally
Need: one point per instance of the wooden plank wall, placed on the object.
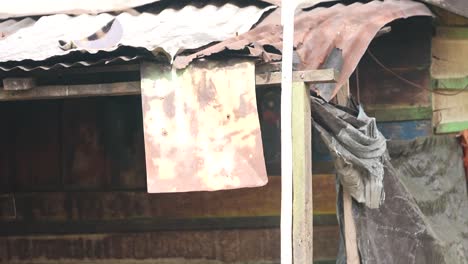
(402, 110)
(76, 174)
(74, 187)
(449, 71)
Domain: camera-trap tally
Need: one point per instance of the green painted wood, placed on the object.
(452, 32)
(302, 174)
(454, 83)
(452, 127)
(402, 113)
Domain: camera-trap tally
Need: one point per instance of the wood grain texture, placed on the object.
(450, 53)
(450, 109)
(86, 163)
(72, 91)
(229, 246)
(36, 146)
(121, 205)
(302, 174)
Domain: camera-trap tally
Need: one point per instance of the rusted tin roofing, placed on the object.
(169, 31)
(317, 32)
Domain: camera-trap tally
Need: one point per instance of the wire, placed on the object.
(410, 82)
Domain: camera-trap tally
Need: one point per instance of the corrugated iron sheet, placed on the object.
(459, 7)
(318, 31)
(84, 63)
(201, 127)
(170, 31)
(23, 8)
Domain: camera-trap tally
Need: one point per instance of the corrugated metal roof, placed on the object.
(23, 8)
(171, 30)
(318, 31)
(459, 7)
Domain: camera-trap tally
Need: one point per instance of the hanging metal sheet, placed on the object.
(201, 127)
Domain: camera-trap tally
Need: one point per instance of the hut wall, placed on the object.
(73, 188)
(73, 185)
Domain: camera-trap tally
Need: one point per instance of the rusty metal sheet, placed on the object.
(201, 127)
(156, 31)
(318, 31)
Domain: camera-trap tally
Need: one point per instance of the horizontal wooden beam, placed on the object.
(452, 127)
(16, 228)
(401, 113)
(312, 76)
(453, 83)
(67, 91)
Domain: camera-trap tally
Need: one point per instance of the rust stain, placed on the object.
(201, 127)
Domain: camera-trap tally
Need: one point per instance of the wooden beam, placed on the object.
(18, 84)
(451, 127)
(18, 228)
(352, 254)
(133, 88)
(67, 91)
(302, 174)
(311, 76)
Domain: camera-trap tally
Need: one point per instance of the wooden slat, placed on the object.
(230, 246)
(35, 145)
(124, 146)
(450, 112)
(72, 91)
(405, 130)
(451, 127)
(450, 53)
(399, 112)
(312, 76)
(84, 143)
(18, 84)
(5, 143)
(17, 228)
(454, 83)
(302, 174)
(118, 205)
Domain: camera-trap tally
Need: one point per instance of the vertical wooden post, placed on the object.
(302, 175)
(352, 255)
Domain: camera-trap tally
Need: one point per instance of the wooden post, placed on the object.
(302, 175)
(352, 255)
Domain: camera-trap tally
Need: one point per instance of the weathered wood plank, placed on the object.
(312, 76)
(84, 150)
(399, 112)
(17, 228)
(115, 205)
(450, 53)
(35, 144)
(450, 112)
(5, 144)
(302, 174)
(230, 246)
(405, 130)
(455, 83)
(451, 127)
(72, 91)
(18, 84)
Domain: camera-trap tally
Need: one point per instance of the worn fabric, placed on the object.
(424, 216)
(358, 148)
